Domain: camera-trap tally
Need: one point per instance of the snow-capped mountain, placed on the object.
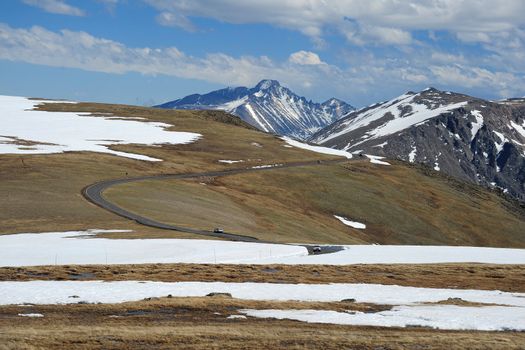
(269, 107)
(466, 137)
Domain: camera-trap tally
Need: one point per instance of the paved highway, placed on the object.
(94, 194)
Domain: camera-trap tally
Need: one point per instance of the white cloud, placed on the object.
(457, 75)
(84, 51)
(377, 22)
(170, 19)
(305, 58)
(363, 34)
(494, 28)
(473, 37)
(363, 78)
(55, 6)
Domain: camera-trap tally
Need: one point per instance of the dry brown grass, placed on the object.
(509, 278)
(202, 323)
(42, 193)
(461, 302)
(399, 205)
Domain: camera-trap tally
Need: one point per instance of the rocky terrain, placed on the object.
(466, 137)
(269, 107)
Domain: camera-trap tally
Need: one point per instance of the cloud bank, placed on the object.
(363, 75)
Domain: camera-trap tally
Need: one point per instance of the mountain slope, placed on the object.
(269, 107)
(466, 137)
(398, 204)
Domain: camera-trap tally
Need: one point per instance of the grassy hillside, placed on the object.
(400, 204)
(43, 192)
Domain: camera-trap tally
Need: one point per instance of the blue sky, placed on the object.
(362, 51)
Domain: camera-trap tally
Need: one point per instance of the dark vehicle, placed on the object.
(316, 249)
(218, 230)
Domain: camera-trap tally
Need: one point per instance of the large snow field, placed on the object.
(411, 308)
(83, 247)
(446, 317)
(60, 292)
(401, 254)
(56, 132)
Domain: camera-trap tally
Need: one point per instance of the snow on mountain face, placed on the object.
(269, 107)
(466, 137)
(388, 118)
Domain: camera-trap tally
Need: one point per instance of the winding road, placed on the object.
(94, 194)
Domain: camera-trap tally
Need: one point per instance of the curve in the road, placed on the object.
(93, 193)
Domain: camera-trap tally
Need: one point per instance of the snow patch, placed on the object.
(31, 315)
(376, 159)
(257, 117)
(233, 317)
(519, 128)
(59, 292)
(230, 106)
(412, 155)
(266, 166)
(503, 141)
(353, 224)
(57, 132)
(446, 317)
(230, 161)
(381, 145)
(317, 149)
(477, 125)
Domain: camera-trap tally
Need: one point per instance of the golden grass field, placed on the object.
(507, 278)
(202, 323)
(398, 204)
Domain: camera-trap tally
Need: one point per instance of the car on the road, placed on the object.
(218, 230)
(316, 249)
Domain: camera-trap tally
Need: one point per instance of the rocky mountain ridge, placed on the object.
(269, 107)
(470, 138)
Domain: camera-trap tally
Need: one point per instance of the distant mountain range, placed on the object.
(466, 137)
(269, 107)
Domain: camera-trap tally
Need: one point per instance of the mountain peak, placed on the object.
(266, 84)
(270, 107)
(333, 101)
(431, 89)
